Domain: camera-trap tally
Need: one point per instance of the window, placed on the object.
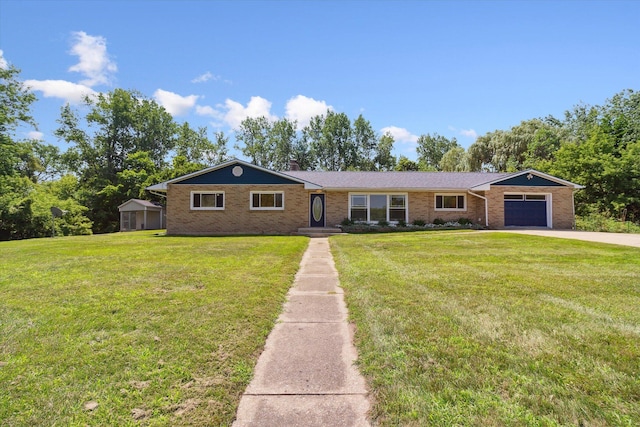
(378, 207)
(267, 200)
(450, 202)
(207, 200)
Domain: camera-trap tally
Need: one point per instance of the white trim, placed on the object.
(206, 208)
(380, 193)
(437, 209)
(164, 185)
(487, 185)
(261, 208)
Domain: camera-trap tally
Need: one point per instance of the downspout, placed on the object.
(486, 207)
(573, 207)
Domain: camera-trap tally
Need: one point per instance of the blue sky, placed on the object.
(456, 68)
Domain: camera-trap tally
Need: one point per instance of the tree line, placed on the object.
(121, 142)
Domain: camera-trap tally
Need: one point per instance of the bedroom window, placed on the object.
(450, 202)
(378, 207)
(267, 200)
(207, 200)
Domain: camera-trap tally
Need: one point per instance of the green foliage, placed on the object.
(464, 221)
(406, 164)
(432, 148)
(439, 221)
(383, 223)
(602, 223)
(419, 222)
(346, 222)
(402, 223)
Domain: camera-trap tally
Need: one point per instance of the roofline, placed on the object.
(162, 186)
(399, 189)
(139, 200)
(486, 185)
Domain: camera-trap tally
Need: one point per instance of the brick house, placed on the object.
(237, 197)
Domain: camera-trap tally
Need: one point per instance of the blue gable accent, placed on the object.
(249, 176)
(523, 181)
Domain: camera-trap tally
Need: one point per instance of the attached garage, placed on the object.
(526, 210)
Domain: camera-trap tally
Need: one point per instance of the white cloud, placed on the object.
(3, 62)
(34, 134)
(175, 104)
(470, 133)
(303, 109)
(70, 92)
(95, 63)
(236, 112)
(400, 134)
(205, 77)
(206, 110)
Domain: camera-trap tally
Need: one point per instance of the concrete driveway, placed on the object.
(591, 236)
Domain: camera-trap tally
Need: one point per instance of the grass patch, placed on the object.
(156, 330)
(494, 329)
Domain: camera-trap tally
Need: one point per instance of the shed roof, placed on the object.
(139, 204)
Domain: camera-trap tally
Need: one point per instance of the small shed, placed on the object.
(136, 214)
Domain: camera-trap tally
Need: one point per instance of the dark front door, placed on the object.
(316, 210)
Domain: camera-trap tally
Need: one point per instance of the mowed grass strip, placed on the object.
(490, 329)
(156, 330)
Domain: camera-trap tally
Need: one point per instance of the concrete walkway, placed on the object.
(306, 374)
(625, 239)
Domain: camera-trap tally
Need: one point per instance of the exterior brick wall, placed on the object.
(237, 217)
(561, 204)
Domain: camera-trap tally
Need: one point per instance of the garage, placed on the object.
(525, 210)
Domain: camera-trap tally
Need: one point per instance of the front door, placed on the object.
(316, 210)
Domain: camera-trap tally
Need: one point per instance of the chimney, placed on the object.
(293, 165)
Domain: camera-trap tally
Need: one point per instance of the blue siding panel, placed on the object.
(535, 181)
(249, 176)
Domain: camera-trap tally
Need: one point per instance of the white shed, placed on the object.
(136, 214)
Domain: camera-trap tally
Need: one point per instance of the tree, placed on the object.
(282, 137)
(25, 204)
(431, 148)
(454, 160)
(405, 164)
(253, 132)
(125, 123)
(384, 160)
(196, 147)
(365, 144)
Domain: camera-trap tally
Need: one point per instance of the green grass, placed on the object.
(494, 329)
(156, 330)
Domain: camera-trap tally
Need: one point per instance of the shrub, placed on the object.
(346, 222)
(419, 222)
(464, 221)
(600, 222)
(439, 221)
(383, 223)
(402, 223)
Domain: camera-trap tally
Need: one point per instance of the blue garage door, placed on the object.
(522, 210)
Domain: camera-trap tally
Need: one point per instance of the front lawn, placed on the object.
(494, 329)
(130, 329)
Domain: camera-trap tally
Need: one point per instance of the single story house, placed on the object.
(136, 214)
(237, 197)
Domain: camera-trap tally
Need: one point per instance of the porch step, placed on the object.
(318, 231)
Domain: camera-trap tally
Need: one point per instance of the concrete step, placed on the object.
(318, 231)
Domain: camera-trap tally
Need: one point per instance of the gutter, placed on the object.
(486, 207)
